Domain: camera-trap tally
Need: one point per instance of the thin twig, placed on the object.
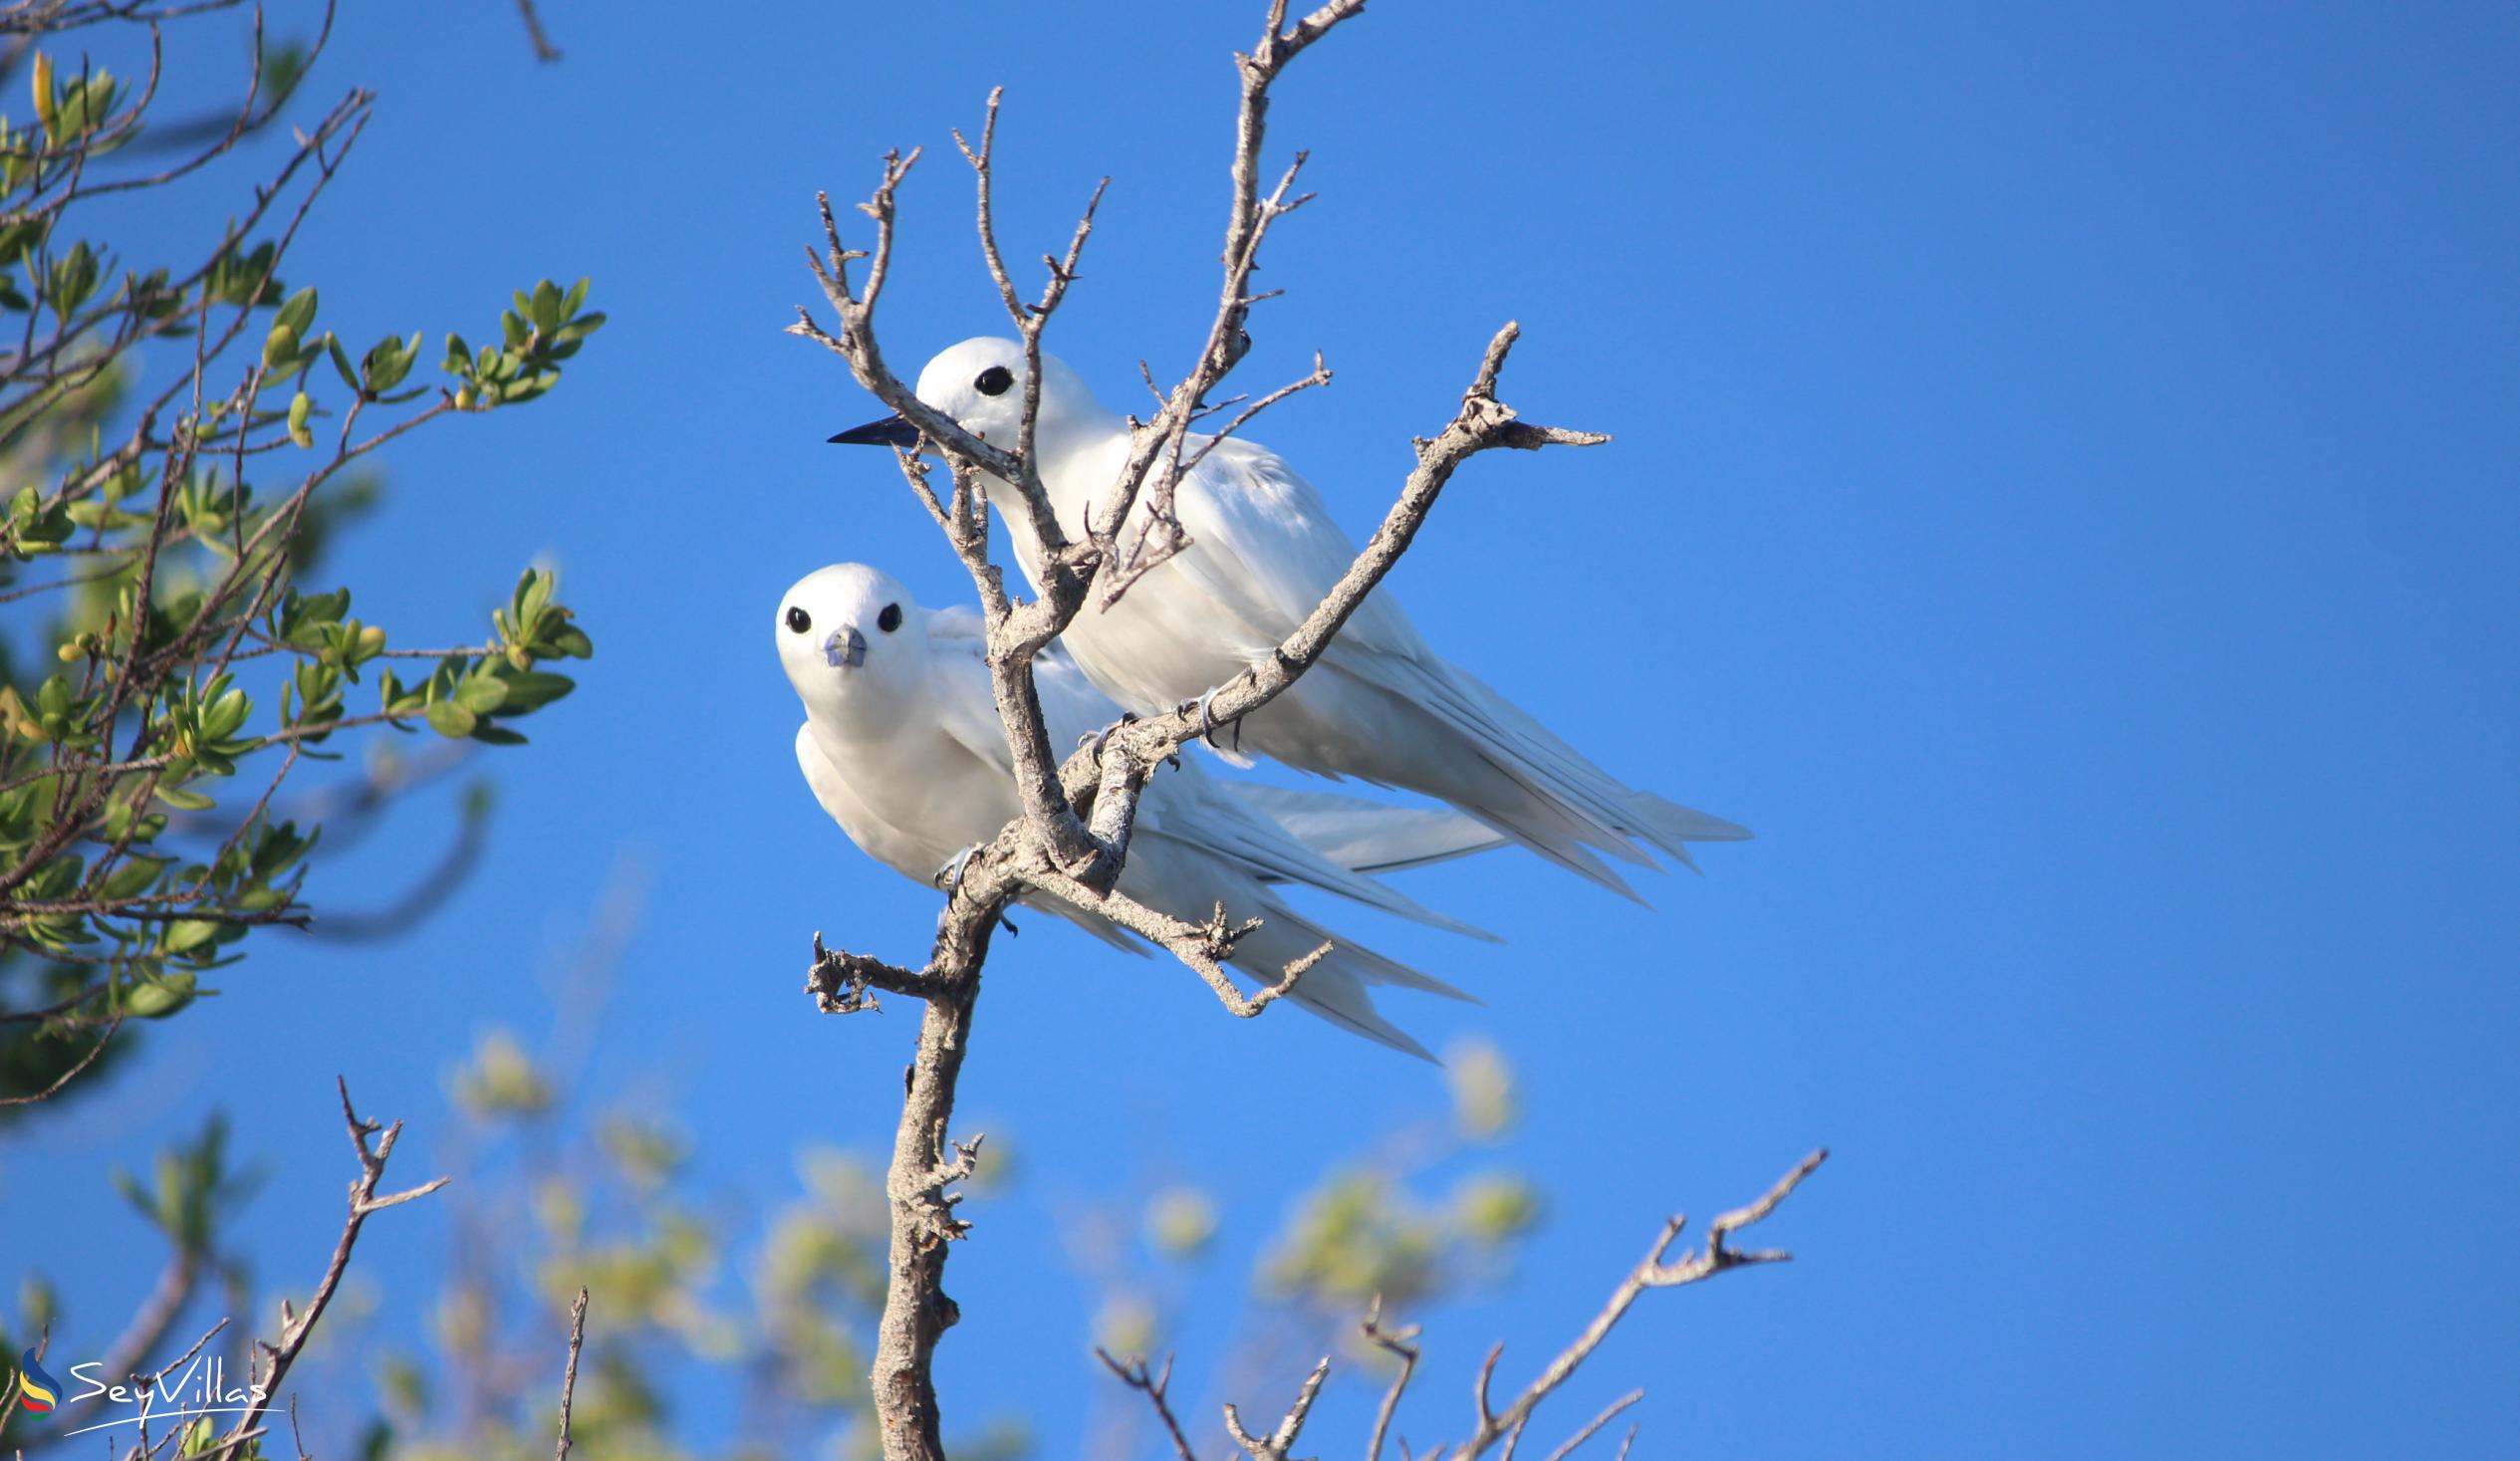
(65, 1076)
(569, 1377)
(1275, 1446)
(1154, 1388)
(1608, 1413)
(544, 50)
(1651, 1271)
(1400, 1342)
(296, 1327)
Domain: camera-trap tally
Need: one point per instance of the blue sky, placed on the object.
(2062, 499)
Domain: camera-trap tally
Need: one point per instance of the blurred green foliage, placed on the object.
(779, 1303)
(179, 441)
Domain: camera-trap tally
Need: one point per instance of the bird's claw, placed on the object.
(1102, 737)
(949, 876)
(1207, 723)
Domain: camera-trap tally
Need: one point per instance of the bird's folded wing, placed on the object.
(1266, 547)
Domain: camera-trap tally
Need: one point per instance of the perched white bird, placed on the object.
(1379, 704)
(903, 746)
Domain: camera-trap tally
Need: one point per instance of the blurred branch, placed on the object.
(273, 1368)
(1493, 1426)
(472, 837)
(1592, 1427)
(1651, 1271)
(73, 1073)
(568, 1377)
(544, 50)
(1274, 1446)
(157, 1314)
(1155, 1388)
(1399, 1342)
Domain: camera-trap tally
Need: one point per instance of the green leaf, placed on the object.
(533, 689)
(133, 878)
(452, 720)
(388, 361)
(298, 313)
(481, 695)
(156, 999)
(225, 714)
(340, 361)
(74, 279)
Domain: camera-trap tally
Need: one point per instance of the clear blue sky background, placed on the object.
(2064, 501)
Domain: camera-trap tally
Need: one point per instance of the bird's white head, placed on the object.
(980, 383)
(853, 645)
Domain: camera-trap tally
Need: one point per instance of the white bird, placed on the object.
(1379, 703)
(903, 746)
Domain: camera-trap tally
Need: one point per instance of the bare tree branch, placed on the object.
(65, 1076)
(157, 1314)
(273, 1366)
(569, 1377)
(1154, 1388)
(1400, 1342)
(1608, 1413)
(1274, 1446)
(544, 50)
(1717, 1257)
(916, 1312)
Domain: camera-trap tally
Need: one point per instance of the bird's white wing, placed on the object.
(1263, 543)
(961, 621)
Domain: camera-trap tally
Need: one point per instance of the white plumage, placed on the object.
(903, 746)
(1379, 704)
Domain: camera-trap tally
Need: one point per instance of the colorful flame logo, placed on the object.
(37, 1391)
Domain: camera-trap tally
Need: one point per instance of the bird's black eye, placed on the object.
(994, 380)
(799, 620)
(889, 617)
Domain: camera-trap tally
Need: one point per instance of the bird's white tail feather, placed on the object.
(1573, 804)
(1336, 994)
(1267, 851)
(1338, 988)
(1372, 837)
(1288, 936)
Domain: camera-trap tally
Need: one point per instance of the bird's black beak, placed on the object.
(890, 431)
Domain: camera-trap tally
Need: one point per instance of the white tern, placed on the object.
(1379, 704)
(903, 746)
